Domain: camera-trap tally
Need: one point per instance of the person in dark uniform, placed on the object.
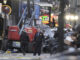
(24, 38)
(1, 25)
(38, 42)
(1, 30)
(53, 22)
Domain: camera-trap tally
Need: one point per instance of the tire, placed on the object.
(4, 45)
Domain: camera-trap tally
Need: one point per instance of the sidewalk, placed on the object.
(28, 56)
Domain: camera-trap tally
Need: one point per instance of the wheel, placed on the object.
(4, 45)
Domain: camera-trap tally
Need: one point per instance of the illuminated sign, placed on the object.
(45, 18)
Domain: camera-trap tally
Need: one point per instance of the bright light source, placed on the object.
(5, 1)
(69, 5)
(52, 14)
(67, 17)
(72, 17)
(76, 17)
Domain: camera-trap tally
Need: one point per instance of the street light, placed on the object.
(67, 17)
(76, 17)
(4, 1)
(72, 18)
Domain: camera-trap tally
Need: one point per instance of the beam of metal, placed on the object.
(44, 4)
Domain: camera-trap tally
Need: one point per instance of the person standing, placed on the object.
(24, 38)
(38, 42)
(1, 30)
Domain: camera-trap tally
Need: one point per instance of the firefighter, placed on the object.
(24, 38)
(38, 42)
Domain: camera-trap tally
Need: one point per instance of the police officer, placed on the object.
(24, 38)
(38, 42)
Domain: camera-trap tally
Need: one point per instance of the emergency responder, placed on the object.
(38, 42)
(24, 38)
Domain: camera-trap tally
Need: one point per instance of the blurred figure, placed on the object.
(1, 25)
(56, 35)
(53, 23)
(38, 42)
(77, 43)
(53, 45)
(69, 40)
(1, 29)
(24, 42)
(68, 32)
(77, 29)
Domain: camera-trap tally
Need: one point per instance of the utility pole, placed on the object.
(4, 22)
(61, 26)
(29, 10)
(49, 13)
(49, 16)
(33, 4)
(15, 10)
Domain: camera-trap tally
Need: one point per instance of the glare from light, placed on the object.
(5, 1)
(52, 14)
(67, 17)
(76, 17)
(72, 17)
(69, 5)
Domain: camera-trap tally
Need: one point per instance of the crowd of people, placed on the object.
(50, 40)
(72, 39)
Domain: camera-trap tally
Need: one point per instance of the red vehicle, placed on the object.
(14, 37)
(14, 34)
